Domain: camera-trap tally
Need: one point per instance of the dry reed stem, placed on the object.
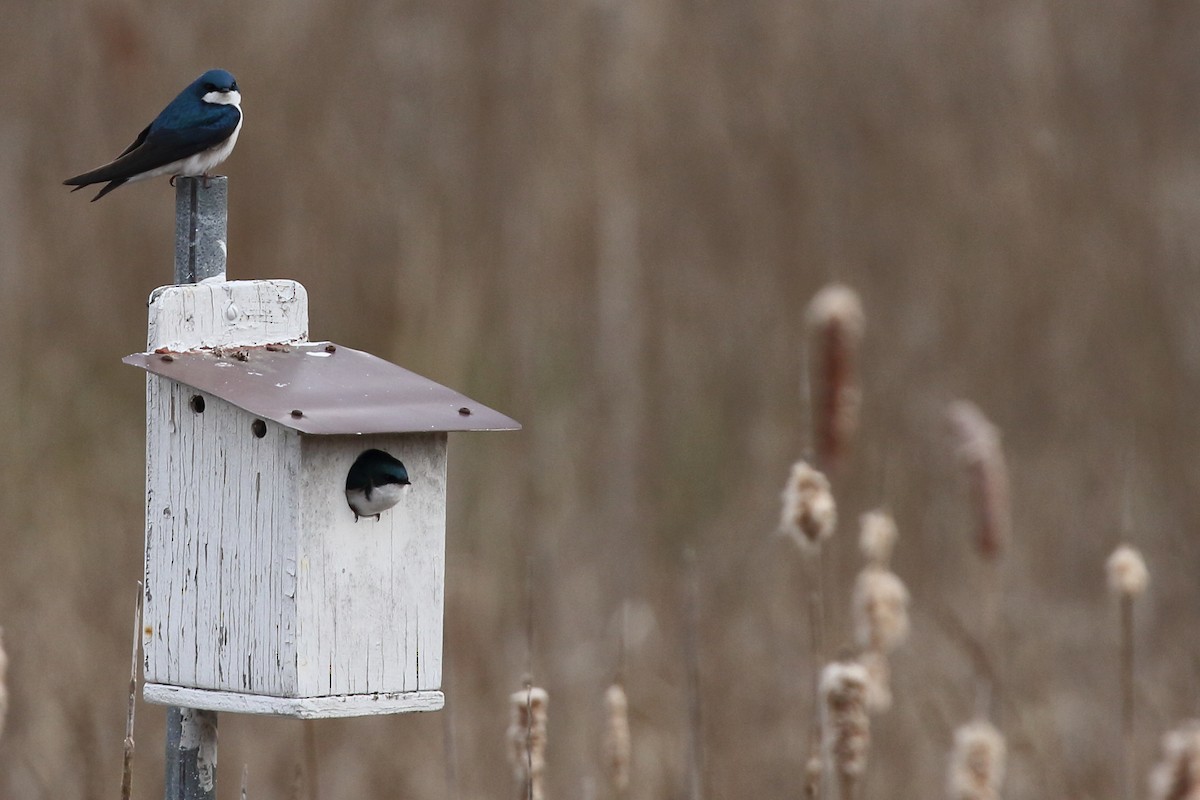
(3, 683)
(836, 323)
(616, 739)
(696, 766)
(877, 537)
(1177, 776)
(127, 765)
(809, 513)
(977, 762)
(245, 780)
(844, 723)
(311, 768)
(880, 610)
(527, 740)
(1127, 579)
(978, 448)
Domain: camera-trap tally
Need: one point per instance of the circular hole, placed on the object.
(197, 404)
(259, 427)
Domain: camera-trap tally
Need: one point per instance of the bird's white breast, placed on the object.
(382, 498)
(205, 161)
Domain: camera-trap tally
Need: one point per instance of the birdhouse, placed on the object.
(295, 511)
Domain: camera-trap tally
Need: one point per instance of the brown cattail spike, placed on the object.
(978, 446)
(977, 763)
(846, 730)
(527, 741)
(836, 322)
(1177, 776)
(616, 739)
(809, 512)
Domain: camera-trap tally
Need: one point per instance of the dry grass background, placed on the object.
(605, 218)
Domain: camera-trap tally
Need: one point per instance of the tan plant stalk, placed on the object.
(527, 740)
(3, 683)
(836, 323)
(809, 513)
(977, 762)
(1127, 579)
(616, 739)
(1177, 775)
(844, 723)
(877, 537)
(977, 443)
(127, 765)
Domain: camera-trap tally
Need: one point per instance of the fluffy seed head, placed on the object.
(616, 737)
(879, 681)
(880, 610)
(527, 738)
(977, 443)
(809, 512)
(1177, 775)
(1127, 575)
(977, 763)
(845, 728)
(877, 536)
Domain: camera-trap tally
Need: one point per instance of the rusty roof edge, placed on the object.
(490, 419)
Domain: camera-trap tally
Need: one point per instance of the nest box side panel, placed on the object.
(220, 560)
(370, 593)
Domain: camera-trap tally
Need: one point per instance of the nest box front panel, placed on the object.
(221, 527)
(370, 593)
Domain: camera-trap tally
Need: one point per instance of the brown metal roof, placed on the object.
(322, 388)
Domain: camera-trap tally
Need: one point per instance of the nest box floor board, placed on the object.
(351, 705)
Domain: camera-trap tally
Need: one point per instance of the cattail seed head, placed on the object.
(978, 447)
(527, 740)
(616, 737)
(877, 536)
(809, 512)
(1127, 575)
(880, 610)
(879, 681)
(1177, 776)
(845, 728)
(836, 322)
(977, 763)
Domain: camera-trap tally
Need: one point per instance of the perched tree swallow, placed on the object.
(191, 136)
(375, 483)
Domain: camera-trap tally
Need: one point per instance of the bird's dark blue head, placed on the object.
(215, 80)
(376, 468)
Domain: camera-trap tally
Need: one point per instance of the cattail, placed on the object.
(880, 610)
(979, 451)
(1127, 578)
(1177, 776)
(879, 681)
(877, 537)
(527, 740)
(809, 512)
(836, 322)
(845, 727)
(977, 763)
(616, 738)
(1127, 575)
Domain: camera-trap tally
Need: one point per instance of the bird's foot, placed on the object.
(171, 180)
(206, 177)
(377, 518)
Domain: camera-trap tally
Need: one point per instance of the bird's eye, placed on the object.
(208, 87)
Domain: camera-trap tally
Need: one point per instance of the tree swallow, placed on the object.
(191, 136)
(375, 483)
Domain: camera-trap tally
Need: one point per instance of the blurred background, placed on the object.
(605, 219)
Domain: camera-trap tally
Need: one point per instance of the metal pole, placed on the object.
(200, 250)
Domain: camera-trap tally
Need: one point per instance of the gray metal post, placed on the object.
(200, 249)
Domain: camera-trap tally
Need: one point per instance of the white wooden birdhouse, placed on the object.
(265, 591)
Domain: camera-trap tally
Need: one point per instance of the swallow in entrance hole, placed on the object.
(375, 483)
(190, 137)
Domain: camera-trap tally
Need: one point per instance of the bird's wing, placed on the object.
(162, 143)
